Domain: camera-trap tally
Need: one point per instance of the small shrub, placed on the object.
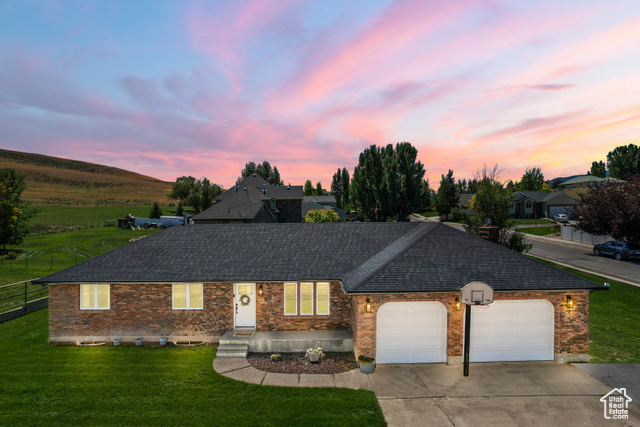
(365, 359)
(12, 255)
(276, 357)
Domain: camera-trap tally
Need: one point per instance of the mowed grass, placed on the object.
(90, 215)
(614, 320)
(42, 255)
(539, 231)
(67, 385)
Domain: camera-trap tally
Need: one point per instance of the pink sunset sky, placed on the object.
(172, 88)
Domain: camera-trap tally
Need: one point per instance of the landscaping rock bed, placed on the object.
(296, 363)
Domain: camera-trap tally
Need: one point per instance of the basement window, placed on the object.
(94, 297)
(187, 296)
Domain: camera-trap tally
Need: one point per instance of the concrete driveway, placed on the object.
(494, 394)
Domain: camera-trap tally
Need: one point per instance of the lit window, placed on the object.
(94, 297)
(306, 298)
(322, 298)
(187, 296)
(290, 299)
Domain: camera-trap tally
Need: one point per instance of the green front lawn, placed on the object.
(531, 221)
(61, 385)
(614, 320)
(539, 231)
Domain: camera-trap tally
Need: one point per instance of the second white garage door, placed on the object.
(512, 331)
(411, 332)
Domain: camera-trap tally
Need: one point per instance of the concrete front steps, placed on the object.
(283, 341)
(232, 350)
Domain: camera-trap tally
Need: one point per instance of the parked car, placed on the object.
(618, 250)
(561, 218)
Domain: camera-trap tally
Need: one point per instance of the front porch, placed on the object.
(234, 342)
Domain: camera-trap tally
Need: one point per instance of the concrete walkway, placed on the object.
(239, 369)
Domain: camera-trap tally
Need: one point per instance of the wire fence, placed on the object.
(17, 299)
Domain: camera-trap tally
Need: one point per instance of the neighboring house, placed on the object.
(392, 287)
(584, 181)
(254, 200)
(465, 203)
(322, 202)
(541, 204)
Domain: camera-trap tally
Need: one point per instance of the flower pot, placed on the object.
(314, 357)
(116, 341)
(367, 368)
(163, 341)
(138, 341)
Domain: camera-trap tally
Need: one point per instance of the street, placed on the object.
(581, 256)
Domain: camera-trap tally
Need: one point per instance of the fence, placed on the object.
(569, 233)
(18, 299)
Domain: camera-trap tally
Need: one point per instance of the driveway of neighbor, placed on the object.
(494, 394)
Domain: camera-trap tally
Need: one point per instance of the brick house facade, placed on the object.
(377, 263)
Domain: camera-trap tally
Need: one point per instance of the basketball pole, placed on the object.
(467, 336)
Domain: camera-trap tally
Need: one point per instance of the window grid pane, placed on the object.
(102, 296)
(195, 300)
(290, 296)
(306, 298)
(179, 296)
(322, 299)
(87, 296)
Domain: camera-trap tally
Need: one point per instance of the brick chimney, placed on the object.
(490, 233)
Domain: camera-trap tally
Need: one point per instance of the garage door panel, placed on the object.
(512, 331)
(411, 332)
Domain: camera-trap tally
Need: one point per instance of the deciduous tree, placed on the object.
(532, 180)
(321, 215)
(598, 169)
(319, 190)
(340, 188)
(308, 188)
(386, 182)
(624, 161)
(199, 194)
(611, 208)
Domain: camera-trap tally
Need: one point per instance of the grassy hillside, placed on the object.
(63, 182)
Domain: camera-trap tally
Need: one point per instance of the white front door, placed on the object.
(245, 305)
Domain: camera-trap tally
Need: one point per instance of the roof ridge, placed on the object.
(387, 255)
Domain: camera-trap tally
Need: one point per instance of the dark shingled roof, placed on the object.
(366, 257)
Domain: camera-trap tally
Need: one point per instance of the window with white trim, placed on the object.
(306, 298)
(290, 299)
(187, 296)
(95, 297)
(322, 298)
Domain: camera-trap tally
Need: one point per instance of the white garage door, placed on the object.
(411, 332)
(555, 210)
(512, 331)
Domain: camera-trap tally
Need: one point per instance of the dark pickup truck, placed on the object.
(618, 250)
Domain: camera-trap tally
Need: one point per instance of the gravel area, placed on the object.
(296, 363)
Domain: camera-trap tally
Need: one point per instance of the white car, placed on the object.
(561, 218)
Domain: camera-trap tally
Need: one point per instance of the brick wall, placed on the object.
(140, 310)
(571, 326)
(270, 311)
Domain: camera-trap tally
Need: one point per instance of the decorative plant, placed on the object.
(315, 350)
(314, 354)
(276, 357)
(365, 359)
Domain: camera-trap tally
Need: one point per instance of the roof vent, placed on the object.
(264, 189)
(245, 188)
(289, 186)
(254, 175)
(236, 187)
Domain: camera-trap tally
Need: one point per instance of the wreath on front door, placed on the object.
(245, 300)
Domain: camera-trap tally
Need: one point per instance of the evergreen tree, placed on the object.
(447, 197)
(14, 212)
(319, 190)
(340, 188)
(624, 161)
(264, 169)
(155, 211)
(180, 209)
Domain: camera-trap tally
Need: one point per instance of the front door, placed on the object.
(245, 305)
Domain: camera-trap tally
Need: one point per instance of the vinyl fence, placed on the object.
(18, 299)
(569, 233)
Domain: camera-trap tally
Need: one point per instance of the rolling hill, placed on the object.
(63, 182)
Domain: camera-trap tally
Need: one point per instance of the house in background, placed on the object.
(541, 204)
(465, 203)
(390, 290)
(254, 200)
(322, 202)
(584, 182)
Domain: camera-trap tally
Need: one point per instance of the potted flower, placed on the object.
(314, 354)
(367, 364)
(276, 357)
